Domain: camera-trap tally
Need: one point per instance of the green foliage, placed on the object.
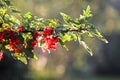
(82, 42)
(66, 18)
(71, 30)
(94, 32)
(7, 2)
(20, 57)
(68, 37)
(87, 12)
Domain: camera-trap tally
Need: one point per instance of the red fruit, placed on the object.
(1, 55)
(20, 29)
(16, 45)
(50, 43)
(13, 44)
(33, 44)
(13, 47)
(48, 31)
(1, 37)
(36, 34)
(19, 51)
(9, 28)
(12, 35)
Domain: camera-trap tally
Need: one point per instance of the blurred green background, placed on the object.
(75, 64)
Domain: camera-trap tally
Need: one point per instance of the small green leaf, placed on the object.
(80, 39)
(14, 21)
(2, 11)
(63, 44)
(90, 34)
(96, 33)
(20, 57)
(74, 36)
(66, 37)
(7, 2)
(52, 23)
(87, 12)
(66, 17)
(35, 57)
(23, 59)
(28, 15)
(14, 9)
(27, 35)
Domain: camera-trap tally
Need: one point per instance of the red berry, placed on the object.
(9, 28)
(50, 42)
(1, 55)
(1, 37)
(37, 34)
(16, 45)
(19, 51)
(48, 31)
(33, 44)
(20, 28)
(12, 35)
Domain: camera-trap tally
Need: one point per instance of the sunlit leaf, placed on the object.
(87, 12)
(28, 15)
(14, 21)
(90, 34)
(2, 11)
(66, 37)
(63, 44)
(13, 9)
(74, 36)
(85, 45)
(66, 17)
(20, 57)
(96, 33)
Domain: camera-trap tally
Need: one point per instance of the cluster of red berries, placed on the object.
(1, 37)
(47, 39)
(14, 43)
(10, 36)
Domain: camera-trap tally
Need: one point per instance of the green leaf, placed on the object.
(14, 9)
(66, 18)
(28, 52)
(35, 57)
(63, 44)
(7, 2)
(52, 22)
(74, 36)
(66, 37)
(87, 12)
(96, 33)
(2, 11)
(20, 57)
(28, 15)
(14, 21)
(23, 59)
(90, 34)
(27, 35)
(5, 25)
(80, 39)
